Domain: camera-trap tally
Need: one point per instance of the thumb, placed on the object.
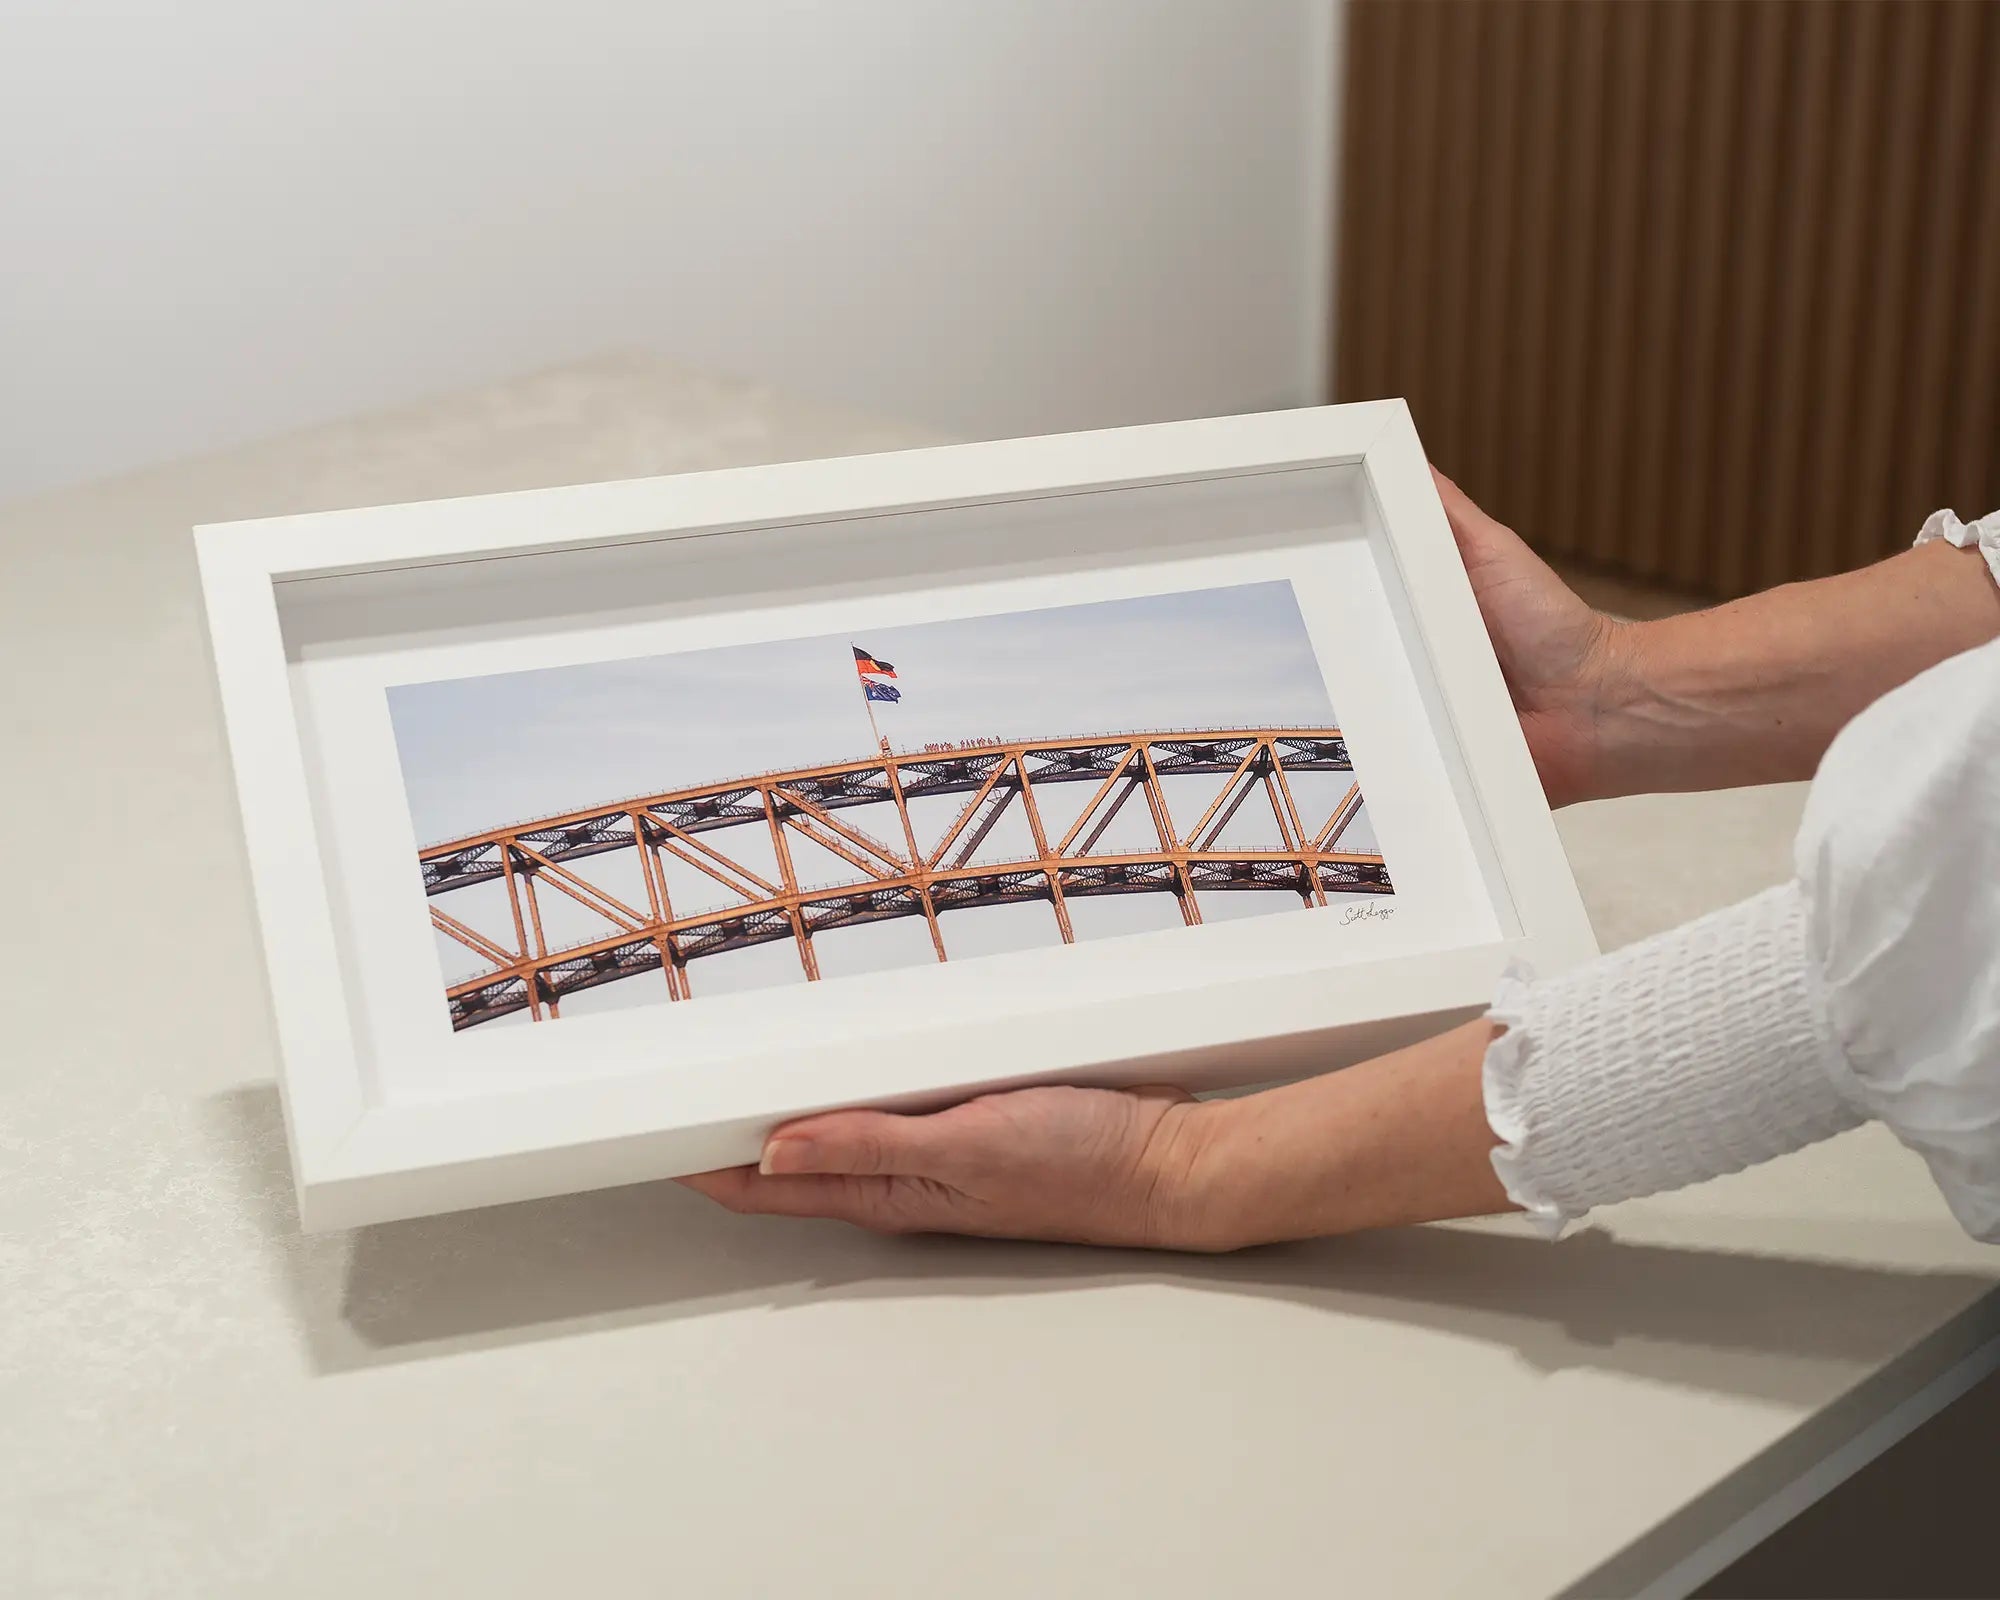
(1485, 542)
(1455, 499)
(857, 1143)
(1467, 521)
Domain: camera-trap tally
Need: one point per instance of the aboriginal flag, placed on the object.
(864, 663)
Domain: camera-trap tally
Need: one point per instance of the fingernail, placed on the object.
(788, 1155)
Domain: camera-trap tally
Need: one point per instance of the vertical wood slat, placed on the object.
(1972, 394)
(1459, 78)
(1630, 104)
(1797, 308)
(1420, 271)
(1821, 499)
(1632, 510)
(1749, 298)
(1938, 241)
(1495, 233)
(1367, 168)
(1884, 347)
(1579, 248)
(1524, 373)
(1703, 291)
(1696, 395)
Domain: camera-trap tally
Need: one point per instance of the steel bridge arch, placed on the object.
(896, 879)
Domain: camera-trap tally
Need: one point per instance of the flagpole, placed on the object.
(868, 706)
(919, 867)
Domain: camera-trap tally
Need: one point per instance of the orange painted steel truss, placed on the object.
(894, 879)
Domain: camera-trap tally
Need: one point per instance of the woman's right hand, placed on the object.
(1558, 655)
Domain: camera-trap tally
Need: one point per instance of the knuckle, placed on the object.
(865, 1154)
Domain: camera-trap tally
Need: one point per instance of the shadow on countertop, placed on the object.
(1762, 1326)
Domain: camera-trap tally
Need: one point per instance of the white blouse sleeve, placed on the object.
(1869, 986)
(1899, 863)
(1983, 535)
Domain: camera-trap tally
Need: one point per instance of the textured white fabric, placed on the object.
(1983, 535)
(1899, 861)
(1700, 1051)
(1867, 987)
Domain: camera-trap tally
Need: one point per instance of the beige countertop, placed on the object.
(631, 1393)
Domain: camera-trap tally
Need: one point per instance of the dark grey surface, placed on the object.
(1921, 1520)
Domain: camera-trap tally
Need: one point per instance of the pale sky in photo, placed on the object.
(481, 753)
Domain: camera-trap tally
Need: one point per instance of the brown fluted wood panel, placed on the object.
(1705, 292)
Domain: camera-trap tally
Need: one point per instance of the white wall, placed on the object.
(220, 218)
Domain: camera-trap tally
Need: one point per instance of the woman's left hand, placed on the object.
(1084, 1166)
(1399, 1139)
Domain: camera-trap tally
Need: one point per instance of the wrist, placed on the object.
(1636, 709)
(1197, 1184)
(1398, 1139)
(1236, 1180)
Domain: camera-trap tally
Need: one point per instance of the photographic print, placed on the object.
(660, 830)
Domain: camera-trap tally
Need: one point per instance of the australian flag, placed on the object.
(880, 691)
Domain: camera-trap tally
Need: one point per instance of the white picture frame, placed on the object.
(310, 615)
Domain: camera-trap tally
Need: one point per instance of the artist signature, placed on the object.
(1353, 914)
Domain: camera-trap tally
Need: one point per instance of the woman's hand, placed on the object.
(1402, 1138)
(1082, 1166)
(1558, 655)
(1748, 692)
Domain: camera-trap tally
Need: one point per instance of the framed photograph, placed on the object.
(596, 831)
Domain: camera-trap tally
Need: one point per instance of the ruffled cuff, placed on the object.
(1699, 1052)
(1502, 1082)
(1983, 535)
